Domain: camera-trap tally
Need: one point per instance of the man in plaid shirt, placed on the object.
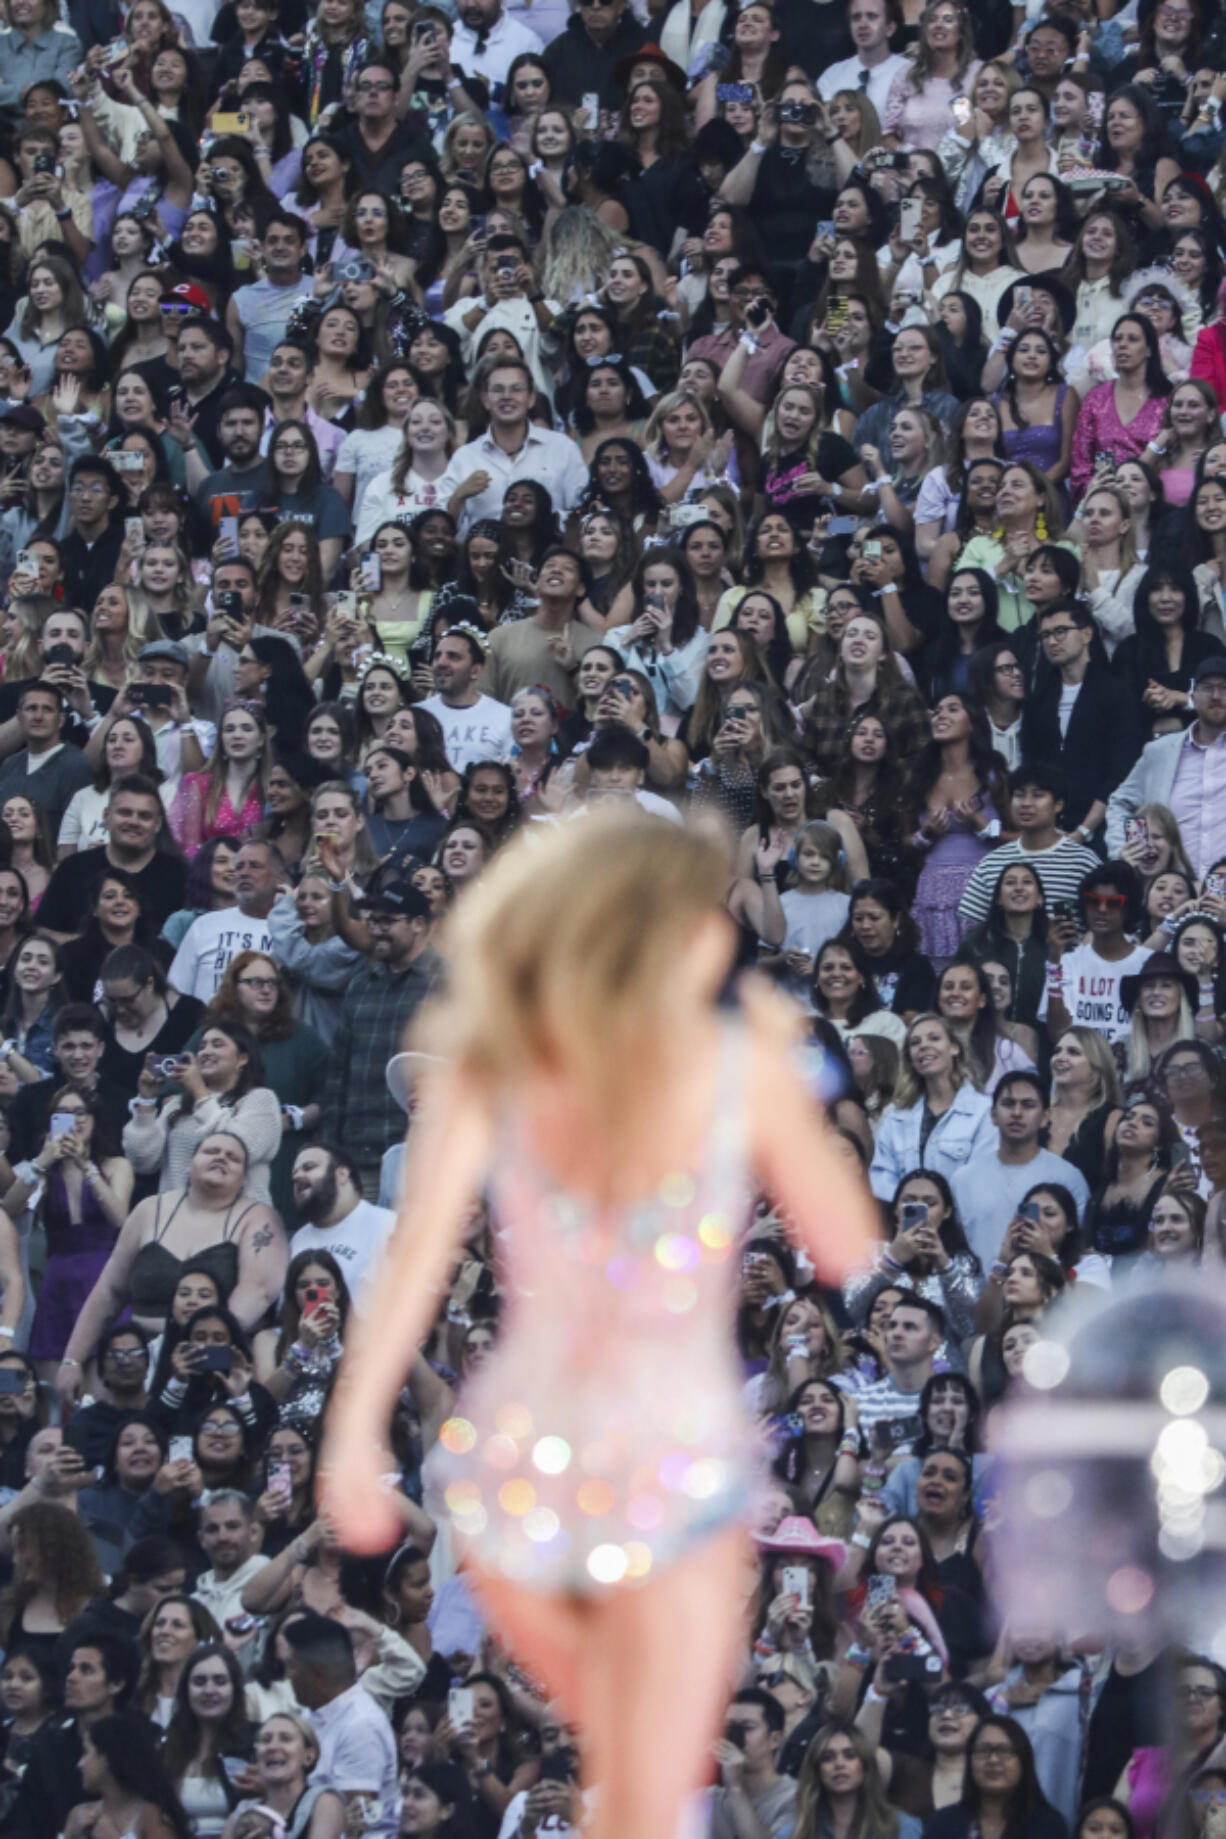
(359, 1111)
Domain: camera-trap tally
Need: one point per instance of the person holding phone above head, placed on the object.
(85, 1186)
(928, 1254)
(577, 1620)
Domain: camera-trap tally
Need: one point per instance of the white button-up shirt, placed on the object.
(1198, 799)
(553, 460)
(846, 75)
(508, 40)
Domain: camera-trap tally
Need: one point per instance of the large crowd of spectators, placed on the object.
(422, 420)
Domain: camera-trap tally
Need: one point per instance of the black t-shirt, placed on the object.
(122, 1069)
(815, 35)
(786, 204)
(1128, 1716)
(835, 456)
(65, 905)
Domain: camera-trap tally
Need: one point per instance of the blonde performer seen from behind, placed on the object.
(600, 1465)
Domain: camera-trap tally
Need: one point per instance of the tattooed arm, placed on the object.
(263, 1254)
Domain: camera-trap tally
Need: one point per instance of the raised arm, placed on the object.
(833, 1215)
(451, 1152)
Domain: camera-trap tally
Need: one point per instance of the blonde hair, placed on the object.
(137, 635)
(1128, 537)
(1141, 1056)
(772, 441)
(910, 1086)
(653, 433)
(1008, 76)
(561, 951)
(1106, 1086)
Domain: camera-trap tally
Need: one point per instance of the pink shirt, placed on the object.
(1198, 799)
(920, 118)
(1100, 428)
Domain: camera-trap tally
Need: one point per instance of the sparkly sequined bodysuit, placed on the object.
(608, 1432)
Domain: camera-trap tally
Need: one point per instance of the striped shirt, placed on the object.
(1061, 867)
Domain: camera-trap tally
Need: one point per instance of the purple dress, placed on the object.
(75, 1257)
(1041, 445)
(947, 868)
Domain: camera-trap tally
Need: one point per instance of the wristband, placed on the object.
(857, 1656)
(891, 1264)
(62, 216)
(6, 1334)
(65, 1359)
(862, 1540)
(536, 166)
(750, 343)
(849, 1443)
(758, 146)
(873, 1697)
(294, 1114)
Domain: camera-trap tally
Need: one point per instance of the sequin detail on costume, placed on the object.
(607, 1432)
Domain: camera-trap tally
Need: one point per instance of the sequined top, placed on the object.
(607, 1432)
(955, 1290)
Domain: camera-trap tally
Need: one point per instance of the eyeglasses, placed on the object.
(258, 983)
(95, 488)
(291, 447)
(125, 1353)
(994, 1752)
(374, 89)
(1199, 1695)
(1105, 903)
(1057, 632)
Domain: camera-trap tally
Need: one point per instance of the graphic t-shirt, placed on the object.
(1092, 990)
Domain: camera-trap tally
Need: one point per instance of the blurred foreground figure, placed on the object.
(1112, 1465)
(601, 1473)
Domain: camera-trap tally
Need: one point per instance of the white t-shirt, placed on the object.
(209, 945)
(480, 733)
(1069, 692)
(1092, 989)
(356, 1242)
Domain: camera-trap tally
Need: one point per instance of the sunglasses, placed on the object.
(1105, 903)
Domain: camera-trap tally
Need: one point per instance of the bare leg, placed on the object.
(546, 1633)
(656, 1669)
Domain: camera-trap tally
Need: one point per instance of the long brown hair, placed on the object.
(874, 1817)
(218, 765)
(56, 1550)
(922, 68)
(709, 702)
(206, 1630)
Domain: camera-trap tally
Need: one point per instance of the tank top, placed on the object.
(156, 1271)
